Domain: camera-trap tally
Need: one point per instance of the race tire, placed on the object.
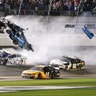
(11, 36)
(15, 41)
(8, 31)
(51, 75)
(39, 76)
(17, 34)
(5, 61)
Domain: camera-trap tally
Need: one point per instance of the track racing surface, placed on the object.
(14, 72)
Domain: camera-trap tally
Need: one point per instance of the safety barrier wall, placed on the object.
(52, 30)
(5, 41)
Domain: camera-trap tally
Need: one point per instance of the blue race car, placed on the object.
(17, 35)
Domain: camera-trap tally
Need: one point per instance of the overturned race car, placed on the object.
(16, 34)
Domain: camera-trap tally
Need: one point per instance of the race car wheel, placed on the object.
(5, 61)
(51, 75)
(15, 41)
(8, 31)
(39, 76)
(11, 36)
(17, 34)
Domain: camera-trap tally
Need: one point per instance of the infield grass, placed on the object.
(91, 91)
(51, 82)
(66, 92)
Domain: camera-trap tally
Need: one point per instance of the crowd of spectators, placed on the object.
(89, 5)
(46, 7)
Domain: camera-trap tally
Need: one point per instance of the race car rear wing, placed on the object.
(87, 32)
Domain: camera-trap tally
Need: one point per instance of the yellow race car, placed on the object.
(46, 72)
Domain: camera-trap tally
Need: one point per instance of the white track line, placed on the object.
(22, 88)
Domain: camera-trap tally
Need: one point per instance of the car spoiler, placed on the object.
(87, 32)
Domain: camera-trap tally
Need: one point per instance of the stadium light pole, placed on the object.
(49, 9)
(78, 7)
(21, 1)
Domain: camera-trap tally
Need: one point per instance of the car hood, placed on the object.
(30, 71)
(58, 62)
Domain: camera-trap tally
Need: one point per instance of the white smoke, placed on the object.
(51, 40)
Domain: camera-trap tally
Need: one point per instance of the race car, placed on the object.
(47, 72)
(68, 63)
(16, 34)
(4, 57)
(11, 58)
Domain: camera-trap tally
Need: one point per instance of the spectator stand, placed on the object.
(41, 7)
(1, 6)
(7, 9)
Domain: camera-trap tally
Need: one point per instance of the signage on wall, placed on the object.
(91, 26)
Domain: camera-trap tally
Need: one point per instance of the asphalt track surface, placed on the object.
(14, 72)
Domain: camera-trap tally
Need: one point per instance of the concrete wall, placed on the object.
(5, 41)
(42, 28)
